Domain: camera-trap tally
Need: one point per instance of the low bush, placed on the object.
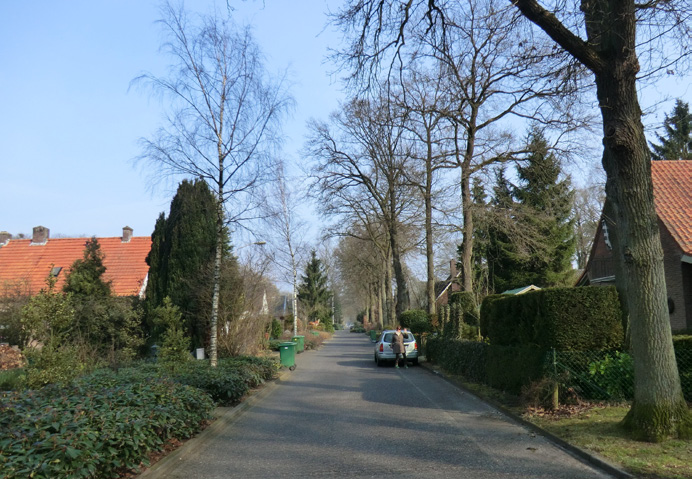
(229, 381)
(416, 320)
(12, 380)
(614, 375)
(312, 341)
(99, 426)
(357, 328)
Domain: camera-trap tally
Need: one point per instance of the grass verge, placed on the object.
(596, 428)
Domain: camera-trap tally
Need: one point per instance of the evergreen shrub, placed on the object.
(416, 320)
(95, 427)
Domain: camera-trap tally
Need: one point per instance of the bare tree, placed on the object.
(224, 119)
(607, 37)
(422, 97)
(361, 152)
(616, 33)
(284, 223)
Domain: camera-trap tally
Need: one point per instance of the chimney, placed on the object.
(5, 238)
(453, 268)
(41, 235)
(127, 234)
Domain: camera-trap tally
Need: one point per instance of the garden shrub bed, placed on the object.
(107, 423)
(95, 429)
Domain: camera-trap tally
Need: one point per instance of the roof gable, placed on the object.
(672, 182)
(125, 262)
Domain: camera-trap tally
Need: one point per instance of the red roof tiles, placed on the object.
(673, 199)
(21, 261)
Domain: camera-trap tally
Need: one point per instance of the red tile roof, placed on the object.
(21, 261)
(673, 198)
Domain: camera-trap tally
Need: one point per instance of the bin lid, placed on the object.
(287, 344)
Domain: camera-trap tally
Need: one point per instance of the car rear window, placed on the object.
(389, 337)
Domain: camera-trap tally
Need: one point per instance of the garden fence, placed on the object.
(603, 375)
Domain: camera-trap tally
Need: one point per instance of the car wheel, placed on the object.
(378, 361)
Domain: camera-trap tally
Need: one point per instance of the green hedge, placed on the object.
(458, 356)
(567, 319)
(416, 320)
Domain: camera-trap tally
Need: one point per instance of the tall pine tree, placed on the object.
(547, 200)
(313, 294)
(677, 142)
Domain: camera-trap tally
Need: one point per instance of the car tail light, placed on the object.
(381, 347)
(415, 346)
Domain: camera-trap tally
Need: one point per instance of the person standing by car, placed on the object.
(398, 347)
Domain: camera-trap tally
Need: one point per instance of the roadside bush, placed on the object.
(98, 428)
(416, 320)
(312, 341)
(229, 381)
(614, 375)
(357, 328)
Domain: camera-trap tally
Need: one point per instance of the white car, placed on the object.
(383, 347)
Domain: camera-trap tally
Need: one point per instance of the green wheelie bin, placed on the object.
(300, 343)
(287, 354)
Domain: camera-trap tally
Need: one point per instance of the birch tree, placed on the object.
(224, 118)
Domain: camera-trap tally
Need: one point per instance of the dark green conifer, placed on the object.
(676, 144)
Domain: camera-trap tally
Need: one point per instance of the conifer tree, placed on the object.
(85, 277)
(500, 253)
(313, 293)
(547, 201)
(183, 246)
(677, 142)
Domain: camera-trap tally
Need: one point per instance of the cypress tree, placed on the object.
(182, 250)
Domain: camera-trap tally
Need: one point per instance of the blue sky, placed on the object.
(70, 125)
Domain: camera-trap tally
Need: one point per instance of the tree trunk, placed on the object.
(659, 409)
(403, 302)
(389, 300)
(429, 255)
(218, 256)
(467, 231)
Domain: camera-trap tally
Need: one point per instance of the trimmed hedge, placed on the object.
(567, 319)
(416, 320)
(458, 356)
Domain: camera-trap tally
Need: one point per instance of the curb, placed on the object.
(582, 454)
(224, 417)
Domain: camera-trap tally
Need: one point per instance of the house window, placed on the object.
(55, 271)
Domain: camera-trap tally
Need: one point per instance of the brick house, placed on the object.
(672, 181)
(28, 262)
(443, 289)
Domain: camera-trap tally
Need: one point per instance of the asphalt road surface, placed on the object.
(339, 415)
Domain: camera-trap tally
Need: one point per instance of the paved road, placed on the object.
(339, 415)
